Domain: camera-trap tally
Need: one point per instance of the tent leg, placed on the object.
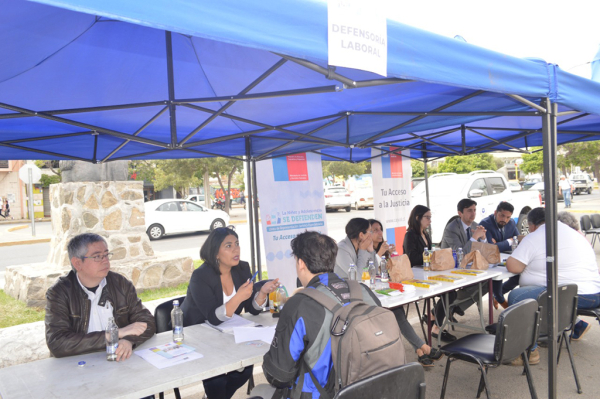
(256, 220)
(250, 206)
(550, 165)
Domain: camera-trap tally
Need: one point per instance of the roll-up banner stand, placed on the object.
(291, 202)
(392, 194)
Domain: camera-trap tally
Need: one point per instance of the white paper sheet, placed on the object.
(235, 321)
(256, 333)
(161, 362)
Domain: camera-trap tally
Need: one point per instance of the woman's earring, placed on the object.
(218, 261)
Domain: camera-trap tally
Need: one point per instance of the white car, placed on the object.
(514, 186)
(198, 198)
(337, 197)
(176, 216)
(363, 198)
(582, 183)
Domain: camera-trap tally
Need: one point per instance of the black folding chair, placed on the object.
(403, 382)
(567, 316)
(516, 335)
(162, 317)
(595, 227)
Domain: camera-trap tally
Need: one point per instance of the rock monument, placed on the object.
(112, 209)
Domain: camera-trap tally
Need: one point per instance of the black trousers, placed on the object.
(224, 386)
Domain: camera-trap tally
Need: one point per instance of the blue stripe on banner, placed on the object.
(390, 234)
(280, 169)
(386, 167)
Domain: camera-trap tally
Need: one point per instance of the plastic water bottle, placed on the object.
(112, 340)
(383, 270)
(455, 259)
(352, 272)
(372, 273)
(177, 322)
(515, 243)
(281, 297)
(459, 256)
(426, 260)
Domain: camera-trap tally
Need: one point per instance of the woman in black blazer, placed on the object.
(416, 237)
(218, 289)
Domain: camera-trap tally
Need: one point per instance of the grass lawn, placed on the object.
(13, 312)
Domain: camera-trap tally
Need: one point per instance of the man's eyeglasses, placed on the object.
(100, 258)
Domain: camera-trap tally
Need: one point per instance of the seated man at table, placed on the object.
(301, 337)
(79, 304)
(501, 230)
(460, 233)
(576, 265)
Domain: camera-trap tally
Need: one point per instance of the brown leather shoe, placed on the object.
(504, 304)
(495, 304)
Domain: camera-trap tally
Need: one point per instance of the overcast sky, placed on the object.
(564, 32)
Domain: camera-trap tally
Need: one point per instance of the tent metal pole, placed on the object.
(424, 154)
(256, 219)
(527, 102)
(463, 138)
(550, 165)
(94, 159)
(250, 205)
(86, 109)
(171, 88)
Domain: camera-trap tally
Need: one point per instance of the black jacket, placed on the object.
(414, 245)
(205, 294)
(68, 315)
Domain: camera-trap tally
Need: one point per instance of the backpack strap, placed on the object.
(322, 392)
(327, 302)
(356, 293)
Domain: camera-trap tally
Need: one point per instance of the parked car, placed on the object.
(582, 183)
(198, 198)
(337, 197)
(540, 187)
(176, 216)
(486, 187)
(363, 198)
(514, 186)
(530, 182)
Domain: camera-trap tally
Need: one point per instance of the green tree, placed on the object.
(585, 154)
(467, 163)
(223, 168)
(47, 180)
(144, 170)
(342, 168)
(418, 168)
(533, 163)
(177, 173)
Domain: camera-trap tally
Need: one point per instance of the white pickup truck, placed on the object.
(485, 187)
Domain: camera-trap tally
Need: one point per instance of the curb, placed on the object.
(18, 228)
(24, 242)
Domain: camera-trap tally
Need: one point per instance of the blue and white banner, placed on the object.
(290, 191)
(391, 193)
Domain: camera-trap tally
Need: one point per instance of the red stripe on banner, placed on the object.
(297, 167)
(400, 232)
(396, 163)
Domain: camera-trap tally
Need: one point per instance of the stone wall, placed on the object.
(114, 210)
(22, 344)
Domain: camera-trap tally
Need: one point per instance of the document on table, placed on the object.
(254, 333)
(168, 355)
(233, 322)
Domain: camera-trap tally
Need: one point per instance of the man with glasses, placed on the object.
(79, 304)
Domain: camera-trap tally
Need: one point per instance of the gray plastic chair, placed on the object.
(567, 316)
(517, 332)
(404, 382)
(162, 317)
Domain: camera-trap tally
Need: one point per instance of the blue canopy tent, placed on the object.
(102, 80)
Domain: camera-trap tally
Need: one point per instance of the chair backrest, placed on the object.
(595, 220)
(567, 308)
(517, 330)
(406, 382)
(162, 315)
(585, 222)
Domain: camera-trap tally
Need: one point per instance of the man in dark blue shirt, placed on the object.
(501, 230)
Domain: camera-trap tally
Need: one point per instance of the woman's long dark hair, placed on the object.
(210, 248)
(378, 246)
(414, 220)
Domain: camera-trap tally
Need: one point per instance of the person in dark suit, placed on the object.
(218, 289)
(500, 230)
(460, 233)
(416, 237)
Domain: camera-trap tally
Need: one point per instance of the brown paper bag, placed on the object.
(479, 262)
(490, 252)
(442, 259)
(400, 269)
